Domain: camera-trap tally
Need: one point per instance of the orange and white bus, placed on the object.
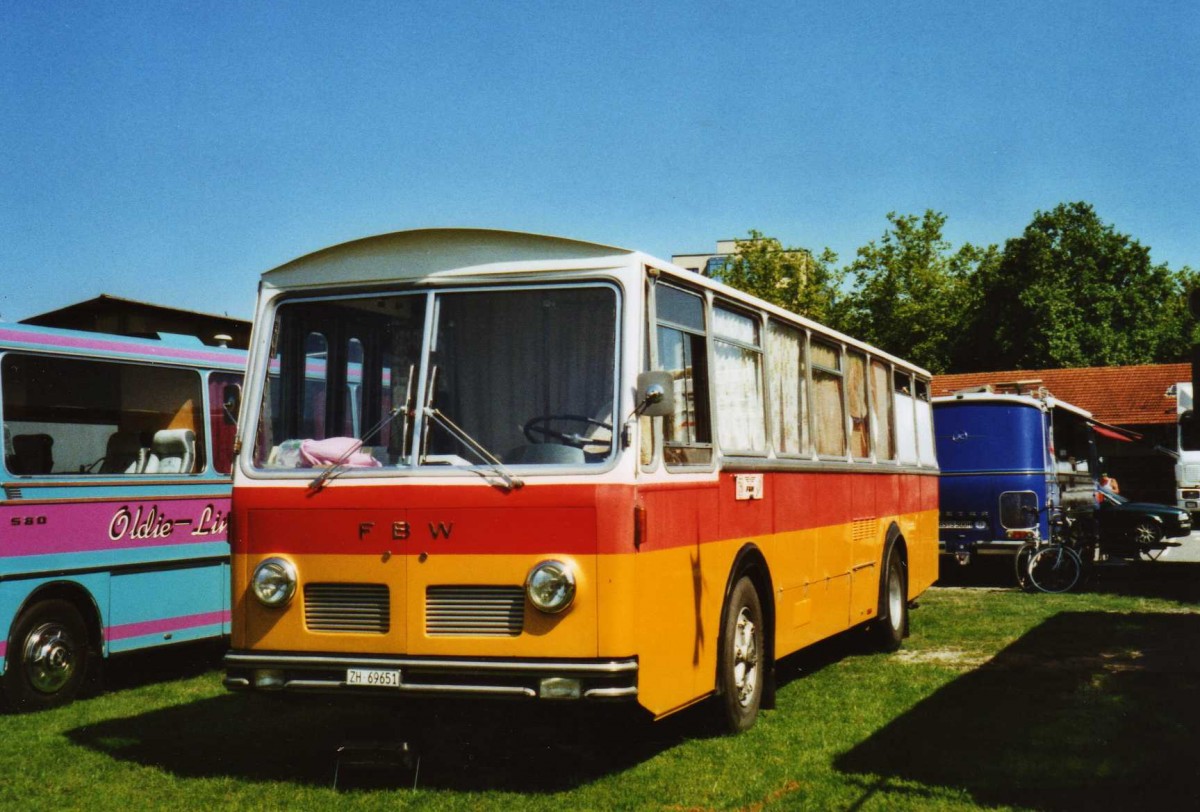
(539, 468)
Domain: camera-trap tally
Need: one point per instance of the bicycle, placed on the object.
(1055, 565)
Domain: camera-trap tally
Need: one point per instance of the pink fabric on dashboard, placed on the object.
(335, 451)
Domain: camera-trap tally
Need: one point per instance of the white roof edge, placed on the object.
(735, 294)
(1024, 400)
(374, 258)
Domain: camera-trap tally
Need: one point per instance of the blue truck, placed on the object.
(1014, 467)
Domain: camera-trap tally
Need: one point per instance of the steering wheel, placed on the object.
(537, 430)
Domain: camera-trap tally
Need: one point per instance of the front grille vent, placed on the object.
(362, 608)
(474, 611)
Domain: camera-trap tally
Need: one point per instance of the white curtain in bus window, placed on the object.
(856, 391)
(881, 408)
(738, 382)
(523, 368)
(906, 419)
(687, 435)
(81, 416)
(787, 395)
(828, 409)
(925, 445)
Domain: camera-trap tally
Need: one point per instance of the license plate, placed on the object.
(373, 677)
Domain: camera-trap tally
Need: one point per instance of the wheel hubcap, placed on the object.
(895, 598)
(1144, 535)
(50, 657)
(745, 658)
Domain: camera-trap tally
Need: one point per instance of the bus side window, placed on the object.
(788, 381)
(682, 351)
(72, 416)
(856, 388)
(881, 408)
(827, 399)
(737, 351)
(906, 418)
(924, 423)
(224, 396)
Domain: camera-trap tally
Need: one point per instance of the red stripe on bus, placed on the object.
(563, 519)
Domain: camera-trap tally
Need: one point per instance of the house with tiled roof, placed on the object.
(1140, 399)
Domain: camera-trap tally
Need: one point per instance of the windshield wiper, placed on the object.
(339, 464)
(511, 482)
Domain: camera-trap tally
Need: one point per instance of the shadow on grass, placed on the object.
(165, 664)
(474, 746)
(466, 746)
(1090, 710)
(1147, 579)
(1168, 580)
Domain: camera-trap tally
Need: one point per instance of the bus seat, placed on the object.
(173, 451)
(32, 454)
(545, 454)
(124, 454)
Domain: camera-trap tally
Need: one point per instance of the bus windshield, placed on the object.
(524, 374)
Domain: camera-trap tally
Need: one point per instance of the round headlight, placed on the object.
(550, 586)
(274, 582)
(980, 524)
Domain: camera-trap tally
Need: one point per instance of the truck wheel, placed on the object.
(742, 668)
(48, 656)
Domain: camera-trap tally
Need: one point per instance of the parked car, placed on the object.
(1132, 529)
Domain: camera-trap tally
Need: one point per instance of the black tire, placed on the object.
(742, 666)
(48, 657)
(891, 623)
(1055, 568)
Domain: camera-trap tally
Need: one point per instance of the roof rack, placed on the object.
(1031, 386)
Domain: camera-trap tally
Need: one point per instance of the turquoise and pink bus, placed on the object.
(113, 521)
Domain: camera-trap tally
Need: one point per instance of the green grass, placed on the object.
(999, 699)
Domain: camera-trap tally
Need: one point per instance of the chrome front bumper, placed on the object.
(434, 676)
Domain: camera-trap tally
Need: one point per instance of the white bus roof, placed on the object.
(430, 251)
(421, 253)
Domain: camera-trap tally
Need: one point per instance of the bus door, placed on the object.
(679, 508)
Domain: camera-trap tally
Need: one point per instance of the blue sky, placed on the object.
(172, 152)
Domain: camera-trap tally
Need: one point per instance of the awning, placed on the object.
(1114, 432)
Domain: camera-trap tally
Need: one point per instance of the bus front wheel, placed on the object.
(743, 662)
(48, 656)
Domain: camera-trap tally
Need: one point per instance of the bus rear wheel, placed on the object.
(48, 656)
(891, 623)
(742, 669)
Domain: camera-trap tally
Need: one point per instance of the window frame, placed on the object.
(840, 374)
(757, 319)
(705, 297)
(201, 465)
(807, 451)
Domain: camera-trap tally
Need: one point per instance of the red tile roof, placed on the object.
(1121, 395)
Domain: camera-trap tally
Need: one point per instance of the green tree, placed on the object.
(911, 291)
(793, 278)
(1072, 291)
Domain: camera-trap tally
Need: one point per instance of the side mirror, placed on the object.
(231, 402)
(655, 394)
